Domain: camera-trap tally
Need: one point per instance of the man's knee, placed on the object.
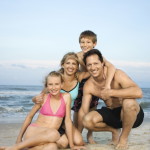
(87, 121)
(130, 105)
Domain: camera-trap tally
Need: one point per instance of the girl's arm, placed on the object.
(110, 73)
(27, 121)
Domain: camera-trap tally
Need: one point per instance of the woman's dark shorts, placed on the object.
(112, 117)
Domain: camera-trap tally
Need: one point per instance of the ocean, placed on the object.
(16, 102)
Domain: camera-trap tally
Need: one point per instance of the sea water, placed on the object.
(16, 102)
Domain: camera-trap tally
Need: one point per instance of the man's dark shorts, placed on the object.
(112, 117)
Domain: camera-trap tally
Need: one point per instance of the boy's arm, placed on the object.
(27, 121)
(129, 89)
(81, 63)
(110, 73)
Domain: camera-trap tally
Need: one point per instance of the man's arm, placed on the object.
(129, 89)
(86, 100)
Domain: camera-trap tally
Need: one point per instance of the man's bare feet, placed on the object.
(115, 136)
(90, 138)
(122, 145)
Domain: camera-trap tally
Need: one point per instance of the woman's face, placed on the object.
(70, 66)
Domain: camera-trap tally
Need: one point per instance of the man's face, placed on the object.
(94, 65)
(87, 44)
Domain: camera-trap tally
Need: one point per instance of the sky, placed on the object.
(35, 34)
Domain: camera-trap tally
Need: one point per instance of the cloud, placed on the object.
(131, 64)
(33, 64)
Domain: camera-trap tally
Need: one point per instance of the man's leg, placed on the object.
(94, 121)
(130, 109)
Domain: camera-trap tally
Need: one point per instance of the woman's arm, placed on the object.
(110, 73)
(68, 122)
(39, 98)
(27, 121)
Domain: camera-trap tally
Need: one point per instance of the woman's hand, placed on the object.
(38, 99)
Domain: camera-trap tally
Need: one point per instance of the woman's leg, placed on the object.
(62, 142)
(77, 137)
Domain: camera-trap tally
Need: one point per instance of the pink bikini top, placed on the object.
(47, 111)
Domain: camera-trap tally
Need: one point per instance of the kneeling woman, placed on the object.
(46, 131)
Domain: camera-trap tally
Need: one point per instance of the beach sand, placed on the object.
(139, 138)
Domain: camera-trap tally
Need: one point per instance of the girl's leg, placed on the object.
(36, 136)
(50, 146)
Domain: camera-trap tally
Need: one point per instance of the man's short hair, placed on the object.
(93, 52)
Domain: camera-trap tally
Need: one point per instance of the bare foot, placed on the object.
(122, 145)
(115, 136)
(90, 138)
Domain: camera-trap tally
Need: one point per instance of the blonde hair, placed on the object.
(70, 55)
(53, 74)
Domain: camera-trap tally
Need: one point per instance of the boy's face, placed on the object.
(86, 44)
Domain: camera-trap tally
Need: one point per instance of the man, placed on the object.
(122, 109)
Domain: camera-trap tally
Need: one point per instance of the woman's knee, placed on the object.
(52, 135)
(63, 142)
(50, 146)
(79, 141)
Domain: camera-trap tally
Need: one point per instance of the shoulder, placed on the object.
(66, 96)
(88, 84)
(119, 73)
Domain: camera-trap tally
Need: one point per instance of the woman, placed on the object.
(45, 132)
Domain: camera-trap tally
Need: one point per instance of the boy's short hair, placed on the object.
(93, 52)
(88, 34)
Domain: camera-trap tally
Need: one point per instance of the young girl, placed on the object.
(46, 131)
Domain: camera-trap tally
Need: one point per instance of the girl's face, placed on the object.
(87, 44)
(54, 85)
(70, 66)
